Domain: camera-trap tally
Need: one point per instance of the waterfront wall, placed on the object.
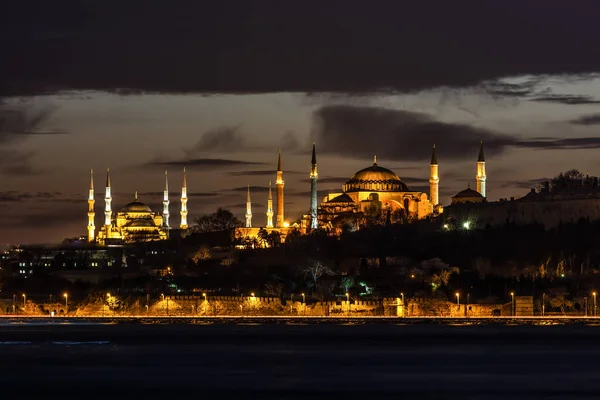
(258, 306)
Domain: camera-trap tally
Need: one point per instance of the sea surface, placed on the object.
(298, 361)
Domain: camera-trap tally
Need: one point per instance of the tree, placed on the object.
(558, 299)
(202, 254)
(221, 220)
(263, 236)
(273, 289)
(316, 270)
(346, 283)
(572, 179)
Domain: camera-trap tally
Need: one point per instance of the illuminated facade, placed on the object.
(135, 222)
(374, 191)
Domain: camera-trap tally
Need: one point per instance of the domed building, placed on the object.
(373, 191)
(467, 196)
(135, 222)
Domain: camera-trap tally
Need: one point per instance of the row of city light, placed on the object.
(24, 295)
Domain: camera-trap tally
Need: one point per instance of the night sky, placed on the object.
(220, 87)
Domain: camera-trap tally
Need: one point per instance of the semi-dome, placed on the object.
(375, 178)
(136, 206)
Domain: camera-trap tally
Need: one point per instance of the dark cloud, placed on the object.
(56, 216)
(255, 206)
(264, 172)
(17, 163)
(253, 189)
(203, 162)
(570, 99)
(561, 144)
(263, 46)
(14, 195)
(226, 139)
(404, 135)
(23, 120)
(510, 89)
(397, 134)
(339, 179)
(289, 141)
(177, 194)
(525, 184)
(591, 119)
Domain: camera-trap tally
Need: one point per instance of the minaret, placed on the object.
(184, 211)
(434, 180)
(248, 210)
(279, 183)
(270, 208)
(481, 172)
(91, 211)
(314, 175)
(166, 202)
(107, 201)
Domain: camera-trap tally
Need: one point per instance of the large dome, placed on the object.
(137, 207)
(375, 178)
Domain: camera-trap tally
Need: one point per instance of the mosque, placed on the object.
(135, 222)
(372, 191)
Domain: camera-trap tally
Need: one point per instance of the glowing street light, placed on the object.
(348, 300)
(543, 304)
(466, 225)
(66, 296)
(595, 305)
(512, 304)
(24, 299)
(457, 299)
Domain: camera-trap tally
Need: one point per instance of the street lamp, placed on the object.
(543, 304)
(512, 304)
(457, 299)
(304, 302)
(205, 301)
(595, 305)
(348, 300)
(66, 296)
(24, 300)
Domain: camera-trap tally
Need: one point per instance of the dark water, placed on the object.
(299, 361)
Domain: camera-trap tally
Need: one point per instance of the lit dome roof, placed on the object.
(375, 178)
(136, 206)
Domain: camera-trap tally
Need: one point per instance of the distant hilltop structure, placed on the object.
(568, 198)
(135, 222)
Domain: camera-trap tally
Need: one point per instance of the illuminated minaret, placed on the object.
(107, 201)
(248, 210)
(166, 202)
(314, 223)
(481, 172)
(91, 211)
(279, 183)
(184, 211)
(270, 208)
(434, 180)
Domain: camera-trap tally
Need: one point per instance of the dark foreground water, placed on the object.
(285, 361)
